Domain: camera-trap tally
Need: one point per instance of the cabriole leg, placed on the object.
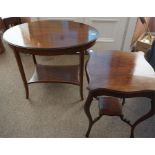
(87, 111)
(146, 116)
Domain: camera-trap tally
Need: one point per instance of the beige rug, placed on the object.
(54, 110)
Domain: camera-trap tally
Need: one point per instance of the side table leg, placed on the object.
(87, 111)
(125, 120)
(87, 77)
(22, 73)
(146, 116)
(34, 59)
(81, 73)
(123, 102)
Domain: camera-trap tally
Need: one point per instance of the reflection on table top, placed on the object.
(50, 34)
(120, 71)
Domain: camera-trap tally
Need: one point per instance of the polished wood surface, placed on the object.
(63, 74)
(118, 74)
(47, 38)
(50, 35)
(110, 106)
(120, 71)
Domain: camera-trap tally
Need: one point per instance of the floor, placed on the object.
(55, 110)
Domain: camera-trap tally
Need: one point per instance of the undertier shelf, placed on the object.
(57, 74)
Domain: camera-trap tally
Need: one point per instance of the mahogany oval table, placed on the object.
(52, 37)
(118, 74)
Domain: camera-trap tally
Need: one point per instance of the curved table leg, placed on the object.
(22, 73)
(125, 120)
(87, 111)
(144, 117)
(87, 77)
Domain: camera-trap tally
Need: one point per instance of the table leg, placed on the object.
(123, 102)
(125, 120)
(34, 59)
(22, 73)
(144, 117)
(87, 76)
(81, 73)
(87, 111)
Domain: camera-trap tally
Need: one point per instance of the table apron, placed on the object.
(48, 52)
(101, 92)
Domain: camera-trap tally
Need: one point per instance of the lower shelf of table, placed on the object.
(110, 106)
(55, 74)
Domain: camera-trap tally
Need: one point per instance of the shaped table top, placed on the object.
(120, 71)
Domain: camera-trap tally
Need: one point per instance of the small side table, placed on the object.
(48, 38)
(118, 74)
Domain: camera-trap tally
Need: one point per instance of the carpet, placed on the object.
(55, 110)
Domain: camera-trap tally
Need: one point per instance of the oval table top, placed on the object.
(50, 34)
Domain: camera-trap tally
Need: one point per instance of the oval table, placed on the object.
(118, 74)
(47, 38)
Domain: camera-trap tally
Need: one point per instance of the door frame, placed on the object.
(130, 28)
